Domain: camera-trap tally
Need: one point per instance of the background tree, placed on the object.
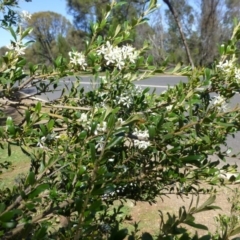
(87, 12)
(178, 25)
(157, 38)
(49, 31)
(210, 32)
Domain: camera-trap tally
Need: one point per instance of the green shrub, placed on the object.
(117, 141)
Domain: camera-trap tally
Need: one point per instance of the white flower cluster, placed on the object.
(17, 47)
(142, 136)
(100, 144)
(25, 15)
(78, 59)
(228, 67)
(219, 102)
(237, 73)
(169, 107)
(118, 56)
(140, 144)
(126, 98)
(225, 66)
(84, 117)
(49, 137)
(101, 127)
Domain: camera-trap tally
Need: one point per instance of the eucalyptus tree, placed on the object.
(179, 17)
(48, 29)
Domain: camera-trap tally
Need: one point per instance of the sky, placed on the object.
(58, 6)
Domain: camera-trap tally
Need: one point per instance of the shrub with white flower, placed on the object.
(88, 149)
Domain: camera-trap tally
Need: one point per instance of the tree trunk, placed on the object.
(175, 15)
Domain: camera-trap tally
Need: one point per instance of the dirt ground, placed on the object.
(148, 215)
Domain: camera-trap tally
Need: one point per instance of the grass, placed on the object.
(19, 165)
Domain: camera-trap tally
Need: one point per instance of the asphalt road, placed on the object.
(160, 83)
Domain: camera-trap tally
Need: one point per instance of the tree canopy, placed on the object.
(48, 29)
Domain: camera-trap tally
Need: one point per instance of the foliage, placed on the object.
(90, 11)
(114, 142)
(49, 32)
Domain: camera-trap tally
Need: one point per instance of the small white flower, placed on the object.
(26, 15)
(125, 100)
(20, 50)
(101, 51)
(110, 160)
(117, 56)
(100, 144)
(139, 90)
(83, 117)
(225, 66)
(17, 47)
(40, 145)
(101, 128)
(219, 102)
(120, 120)
(237, 73)
(169, 108)
(120, 63)
(77, 58)
(141, 144)
(103, 79)
(141, 134)
(229, 151)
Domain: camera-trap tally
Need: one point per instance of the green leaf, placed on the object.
(27, 116)
(206, 205)
(192, 158)
(39, 189)
(30, 206)
(50, 125)
(13, 33)
(81, 170)
(118, 29)
(2, 207)
(31, 178)
(92, 151)
(119, 235)
(235, 232)
(152, 131)
(196, 225)
(83, 135)
(9, 122)
(111, 121)
(25, 33)
(8, 224)
(58, 61)
(146, 236)
(43, 129)
(38, 107)
(114, 142)
(9, 150)
(8, 216)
